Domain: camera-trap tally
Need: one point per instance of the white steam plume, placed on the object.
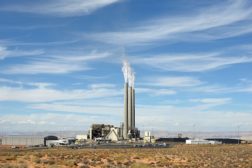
(133, 77)
(129, 74)
(125, 70)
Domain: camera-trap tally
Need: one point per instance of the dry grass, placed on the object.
(179, 156)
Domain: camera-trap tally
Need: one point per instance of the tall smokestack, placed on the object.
(130, 100)
(133, 101)
(125, 128)
(133, 109)
(130, 108)
(125, 70)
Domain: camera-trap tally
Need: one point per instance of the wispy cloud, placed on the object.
(207, 24)
(213, 101)
(172, 84)
(8, 53)
(45, 93)
(241, 88)
(172, 81)
(56, 64)
(44, 44)
(45, 122)
(60, 7)
(24, 84)
(45, 67)
(100, 109)
(155, 91)
(196, 62)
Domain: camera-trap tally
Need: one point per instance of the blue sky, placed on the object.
(60, 64)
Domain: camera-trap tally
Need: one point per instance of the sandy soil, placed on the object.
(178, 156)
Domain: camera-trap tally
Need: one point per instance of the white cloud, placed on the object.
(158, 85)
(60, 7)
(34, 43)
(7, 53)
(46, 122)
(55, 64)
(213, 101)
(191, 62)
(179, 28)
(3, 52)
(172, 81)
(102, 85)
(37, 94)
(22, 84)
(47, 94)
(45, 67)
(155, 91)
(247, 88)
(100, 109)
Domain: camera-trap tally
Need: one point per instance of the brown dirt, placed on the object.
(214, 156)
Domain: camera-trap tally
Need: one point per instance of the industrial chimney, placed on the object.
(125, 69)
(133, 100)
(129, 129)
(130, 101)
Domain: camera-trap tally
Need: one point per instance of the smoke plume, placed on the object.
(133, 77)
(129, 74)
(125, 70)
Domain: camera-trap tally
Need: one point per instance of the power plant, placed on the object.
(127, 130)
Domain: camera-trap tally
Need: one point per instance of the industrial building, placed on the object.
(17, 140)
(148, 138)
(173, 140)
(114, 135)
(30, 140)
(201, 141)
(226, 140)
(105, 132)
(51, 141)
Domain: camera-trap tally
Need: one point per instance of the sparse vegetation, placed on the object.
(178, 156)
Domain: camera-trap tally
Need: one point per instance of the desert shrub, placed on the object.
(47, 161)
(54, 166)
(83, 166)
(51, 162)
(39, 155)
(136, 157)
(85, 161)
(37, 160)
(140, 165)
(14, 157)
(23, 165)
(70, 163)
(26, 157)
(5, 165)
(3, 161)
(128, 163)
(8, 166)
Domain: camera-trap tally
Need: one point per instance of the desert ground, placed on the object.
(230, 156)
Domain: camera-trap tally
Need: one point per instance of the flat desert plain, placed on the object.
(215, 156)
